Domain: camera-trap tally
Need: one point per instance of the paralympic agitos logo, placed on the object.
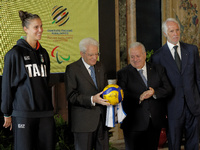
(57, 58)
(60, 17)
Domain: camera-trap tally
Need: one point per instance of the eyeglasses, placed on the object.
(91, 55)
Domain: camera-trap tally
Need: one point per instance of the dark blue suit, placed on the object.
(184, 106)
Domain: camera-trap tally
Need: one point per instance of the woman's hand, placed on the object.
(7, 122)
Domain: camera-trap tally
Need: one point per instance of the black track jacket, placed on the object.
(25, 91)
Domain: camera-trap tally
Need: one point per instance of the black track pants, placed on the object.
(34, 133)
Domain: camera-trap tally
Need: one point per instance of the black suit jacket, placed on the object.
(79, 89)
(138, 115)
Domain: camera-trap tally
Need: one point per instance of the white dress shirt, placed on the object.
(144, 71)
(171, 48)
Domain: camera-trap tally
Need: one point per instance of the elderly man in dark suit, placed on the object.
(85, 80)
(181, 62)
(145, 88)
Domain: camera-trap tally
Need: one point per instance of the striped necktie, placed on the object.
(93, 75)
(143, 77)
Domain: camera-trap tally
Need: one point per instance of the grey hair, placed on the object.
(84, 43)
(136, 44)
(164, 24)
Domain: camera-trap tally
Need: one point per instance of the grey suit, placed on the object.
(79, 88)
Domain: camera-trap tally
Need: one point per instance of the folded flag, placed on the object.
(115, 114)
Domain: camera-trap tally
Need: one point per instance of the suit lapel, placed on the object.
(149, 74)
(168, 58)
(184, 57)
(136, 74)
(85, 72)
(97, 73)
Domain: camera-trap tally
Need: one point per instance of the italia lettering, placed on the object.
(34, 71)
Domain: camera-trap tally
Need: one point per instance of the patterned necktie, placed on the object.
(93, 75)
(177, 58)
(143, 77)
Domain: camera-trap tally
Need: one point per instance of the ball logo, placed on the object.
(57, 59)
(113, 93)
(60, 15)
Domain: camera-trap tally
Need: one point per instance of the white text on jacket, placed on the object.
(34, 71)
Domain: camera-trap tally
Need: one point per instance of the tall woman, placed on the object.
(26, 101)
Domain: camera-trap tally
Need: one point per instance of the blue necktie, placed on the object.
(143, 77)
(93, 75)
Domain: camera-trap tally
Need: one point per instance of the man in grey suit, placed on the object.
(181, 62)
(84, 87)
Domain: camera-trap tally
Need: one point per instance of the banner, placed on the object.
(65, 23)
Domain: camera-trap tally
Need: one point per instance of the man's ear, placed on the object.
(81, 53)
(165, 34)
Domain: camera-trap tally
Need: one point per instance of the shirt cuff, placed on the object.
(93, 104)
(154, 96)
(6, 116)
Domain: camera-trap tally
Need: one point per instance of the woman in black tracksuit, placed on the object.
(26, 100)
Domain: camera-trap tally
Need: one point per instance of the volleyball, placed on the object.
(113, 93)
